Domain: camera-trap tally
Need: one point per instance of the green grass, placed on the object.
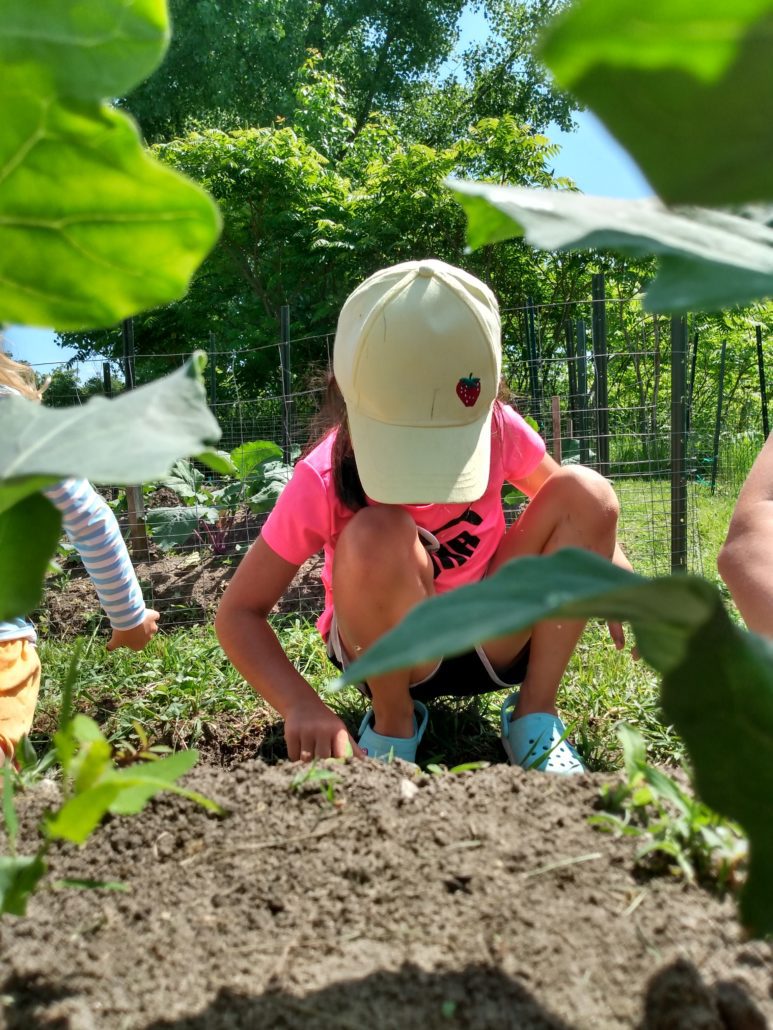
(182, 691)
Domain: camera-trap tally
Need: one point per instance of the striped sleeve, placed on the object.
(92, 528)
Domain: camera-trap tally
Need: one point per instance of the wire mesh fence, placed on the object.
(599, 378)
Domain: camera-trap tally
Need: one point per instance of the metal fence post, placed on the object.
(718, 424)
(531, 344)
(600, 358)
(135, 504)
(763, 391)
(127, 332)
(582, 391)
(678, 427)
(691, 385)
(107, 381)
(287, 401)
(212, 358)
(555, 408)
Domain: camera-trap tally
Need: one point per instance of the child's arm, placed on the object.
(92, 528)
(312, 730)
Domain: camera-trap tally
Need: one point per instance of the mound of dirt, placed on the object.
(479, 900)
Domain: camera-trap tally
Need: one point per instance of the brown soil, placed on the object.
(478, 900)
(185, 588)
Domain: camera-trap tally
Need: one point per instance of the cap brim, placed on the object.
(408, 465)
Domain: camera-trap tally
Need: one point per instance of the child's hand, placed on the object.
(137, 636)
(617, 633)
(313, 731)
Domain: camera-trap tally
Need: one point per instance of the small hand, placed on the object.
(617, 633)
(137, 636)
(315, 732)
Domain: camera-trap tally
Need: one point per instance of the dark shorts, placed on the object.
(462, 676)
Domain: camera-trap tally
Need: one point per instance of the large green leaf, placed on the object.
(92, 228)
(139, 783)
(248, 456)
(171, 527)
(29, 532)
(132, 438)
(94, 50)
(717, 678)
(686, 87)
(77, 819)
(708, 259)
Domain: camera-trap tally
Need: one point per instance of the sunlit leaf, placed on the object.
(80, 816)
(94, 50)
(248, 456)
(92, 228)
(139, 783)
(708, 259)
(686, 87)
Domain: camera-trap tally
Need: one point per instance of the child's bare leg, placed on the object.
(575, 508)
(380, 572)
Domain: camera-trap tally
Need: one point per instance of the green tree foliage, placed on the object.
(494, 76)
(309, 211)
(233, 63)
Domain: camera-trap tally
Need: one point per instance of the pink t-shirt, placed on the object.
(309, 517)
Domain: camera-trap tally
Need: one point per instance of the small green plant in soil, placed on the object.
(316, 777)
(93, 786)
(675, 830)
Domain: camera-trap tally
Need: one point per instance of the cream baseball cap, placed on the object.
(417, 358)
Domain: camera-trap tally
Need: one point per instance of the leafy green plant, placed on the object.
(316, 777)
(253, 474)
(92, 787)
(673, 826)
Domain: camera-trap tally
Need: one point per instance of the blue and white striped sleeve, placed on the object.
(92, 528)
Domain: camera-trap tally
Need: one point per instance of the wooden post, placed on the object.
(555, 408)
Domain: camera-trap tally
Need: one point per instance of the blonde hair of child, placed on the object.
(19, 377)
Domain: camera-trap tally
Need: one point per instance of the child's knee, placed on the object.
(592, 496)
(376, 540)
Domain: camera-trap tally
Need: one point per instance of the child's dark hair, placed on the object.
(331, 418)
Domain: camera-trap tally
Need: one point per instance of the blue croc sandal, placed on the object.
(375, 745)
(538, 741)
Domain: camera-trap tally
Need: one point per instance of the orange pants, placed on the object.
(19, 683)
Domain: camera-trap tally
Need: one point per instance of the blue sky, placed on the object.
(590, 156)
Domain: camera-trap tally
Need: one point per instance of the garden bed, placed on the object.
(477, 900)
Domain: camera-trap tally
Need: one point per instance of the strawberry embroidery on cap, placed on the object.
(468, 390)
